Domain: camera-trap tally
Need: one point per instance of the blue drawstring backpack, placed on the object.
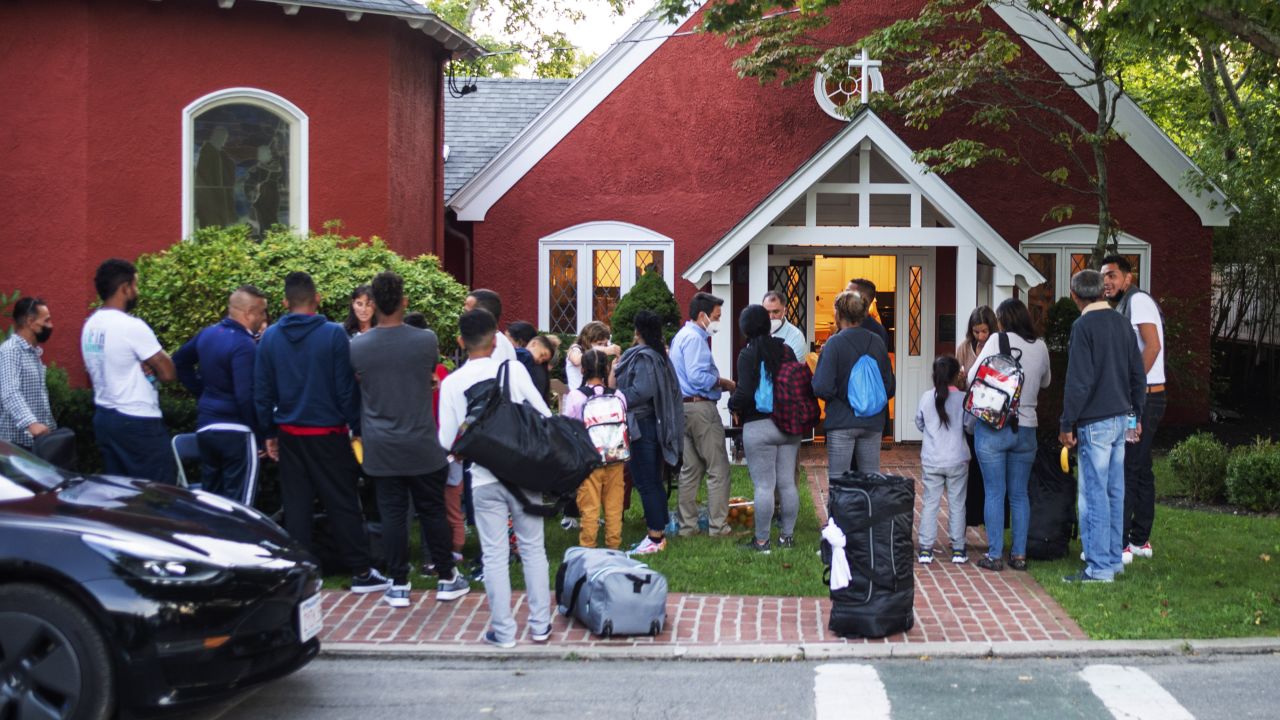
(764, 392)
(867, 395)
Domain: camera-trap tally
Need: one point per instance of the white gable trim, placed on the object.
(1135, 126)
(1011, 267)
(473, 200)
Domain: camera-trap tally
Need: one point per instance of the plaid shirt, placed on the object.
(24, 398)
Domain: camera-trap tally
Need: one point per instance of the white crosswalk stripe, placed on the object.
(1131, 694)
(844, 691)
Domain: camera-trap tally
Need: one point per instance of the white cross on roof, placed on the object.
(869, 70)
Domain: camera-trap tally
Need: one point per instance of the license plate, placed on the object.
(310, 618)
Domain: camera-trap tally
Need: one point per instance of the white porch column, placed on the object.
(1002, 286)
(966, 287)
(758, 273)
(722, 342)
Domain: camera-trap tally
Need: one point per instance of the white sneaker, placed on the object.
(1143, 552)
(648, 547)
(397, 596)
(1126, 555)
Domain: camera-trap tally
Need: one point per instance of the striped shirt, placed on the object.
(24, 398)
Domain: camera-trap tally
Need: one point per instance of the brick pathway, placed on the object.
(953, 603)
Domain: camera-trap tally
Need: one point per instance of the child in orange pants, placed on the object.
(605, 486)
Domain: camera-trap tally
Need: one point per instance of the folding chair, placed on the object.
(185, 449)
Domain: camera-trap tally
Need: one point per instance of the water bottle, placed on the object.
(1131, 428)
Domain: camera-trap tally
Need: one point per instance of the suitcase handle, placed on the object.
(577, 590)
(638, 582)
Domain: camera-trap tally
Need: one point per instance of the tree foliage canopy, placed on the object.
(527, 39)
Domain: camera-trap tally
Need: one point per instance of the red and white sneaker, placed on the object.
(1144, 551)
(1126, 555)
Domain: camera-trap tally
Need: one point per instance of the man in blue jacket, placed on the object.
(308, 405)
(216, 366)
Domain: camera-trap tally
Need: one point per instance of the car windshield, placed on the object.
(23, 474)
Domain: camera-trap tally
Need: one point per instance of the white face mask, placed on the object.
(713, 327)
(775, 325)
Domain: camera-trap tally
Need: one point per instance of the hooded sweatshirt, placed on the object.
(303, 375)
(217, 367)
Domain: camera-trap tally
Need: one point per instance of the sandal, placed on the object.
(1018, 563)
(987, 563)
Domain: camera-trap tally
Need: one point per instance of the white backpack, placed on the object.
(605, 417)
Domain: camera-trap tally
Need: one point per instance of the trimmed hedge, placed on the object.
(185, 288)
(1200, 463)
(649, 293)
(1253, 477)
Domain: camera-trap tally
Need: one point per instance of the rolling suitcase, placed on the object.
(610, 593)
(874, 512)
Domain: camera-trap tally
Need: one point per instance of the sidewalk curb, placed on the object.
(823, 651)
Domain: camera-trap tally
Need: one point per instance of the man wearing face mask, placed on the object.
(701, 385)
(125, 361)
(782, 328)
(24, 399)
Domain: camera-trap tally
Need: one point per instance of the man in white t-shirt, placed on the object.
(125, 361)
(492, 501)
(1143, 314)
(489, 300)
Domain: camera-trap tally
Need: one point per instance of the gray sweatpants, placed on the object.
(493, 504)
(771, 460)
(956, 481)
(844, 446)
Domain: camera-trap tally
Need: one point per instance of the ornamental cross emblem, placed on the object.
(840, 90)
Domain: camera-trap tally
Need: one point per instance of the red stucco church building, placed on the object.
(659, 155)
(127, 124)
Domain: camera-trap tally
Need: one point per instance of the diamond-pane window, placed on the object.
(648, 261)
(792, 282)
(913, 310)
(606, 283)
(563, 280)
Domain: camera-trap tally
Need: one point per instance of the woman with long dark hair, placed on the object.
(360, 315)
(1006, 455)
(982, 322)
(655, 422)
(771, 453)
(944, 458)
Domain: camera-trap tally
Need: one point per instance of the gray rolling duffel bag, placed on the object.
(610, 593)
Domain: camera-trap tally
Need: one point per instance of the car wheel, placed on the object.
(53, 661)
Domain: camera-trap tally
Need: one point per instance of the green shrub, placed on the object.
(1062, 315)
(649, 293)
(185, 288)
(1253, 477)
(1200, 464)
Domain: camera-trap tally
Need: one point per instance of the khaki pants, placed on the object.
(605, 486)
(704, 451)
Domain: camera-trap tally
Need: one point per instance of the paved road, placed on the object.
(1128, 688)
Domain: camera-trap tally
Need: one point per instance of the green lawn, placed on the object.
(1213, 575)
(695, 564)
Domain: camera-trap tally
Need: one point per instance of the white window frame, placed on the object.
(1065, 241)
(588, 238)
(299, 147)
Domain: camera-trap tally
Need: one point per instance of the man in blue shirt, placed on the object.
(704, 449)
(216, 366)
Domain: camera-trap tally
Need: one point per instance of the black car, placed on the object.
(124, 594)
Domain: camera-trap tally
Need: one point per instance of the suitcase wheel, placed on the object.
(607, 630)
(655, 627)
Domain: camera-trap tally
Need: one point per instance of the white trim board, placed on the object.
(968, 227)
(473, 200)
(299, 150)
(1142, 134)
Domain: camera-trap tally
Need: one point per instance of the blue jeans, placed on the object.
(646, 472)
(1101, 496)
(1006, 458)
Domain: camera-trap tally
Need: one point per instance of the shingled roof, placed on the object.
(477, 126)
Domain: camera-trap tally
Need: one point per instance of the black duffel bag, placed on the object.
(522, 448)
(1052, 495)
(875, 513)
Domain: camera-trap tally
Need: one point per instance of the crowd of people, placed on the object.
(372, 398)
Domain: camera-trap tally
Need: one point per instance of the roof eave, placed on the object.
(459, 45)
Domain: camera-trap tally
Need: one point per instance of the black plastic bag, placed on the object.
(1052, 494)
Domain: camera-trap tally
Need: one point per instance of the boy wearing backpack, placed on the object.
(604, 412)
(857, 400)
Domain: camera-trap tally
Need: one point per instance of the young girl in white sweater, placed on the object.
(944, 456)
